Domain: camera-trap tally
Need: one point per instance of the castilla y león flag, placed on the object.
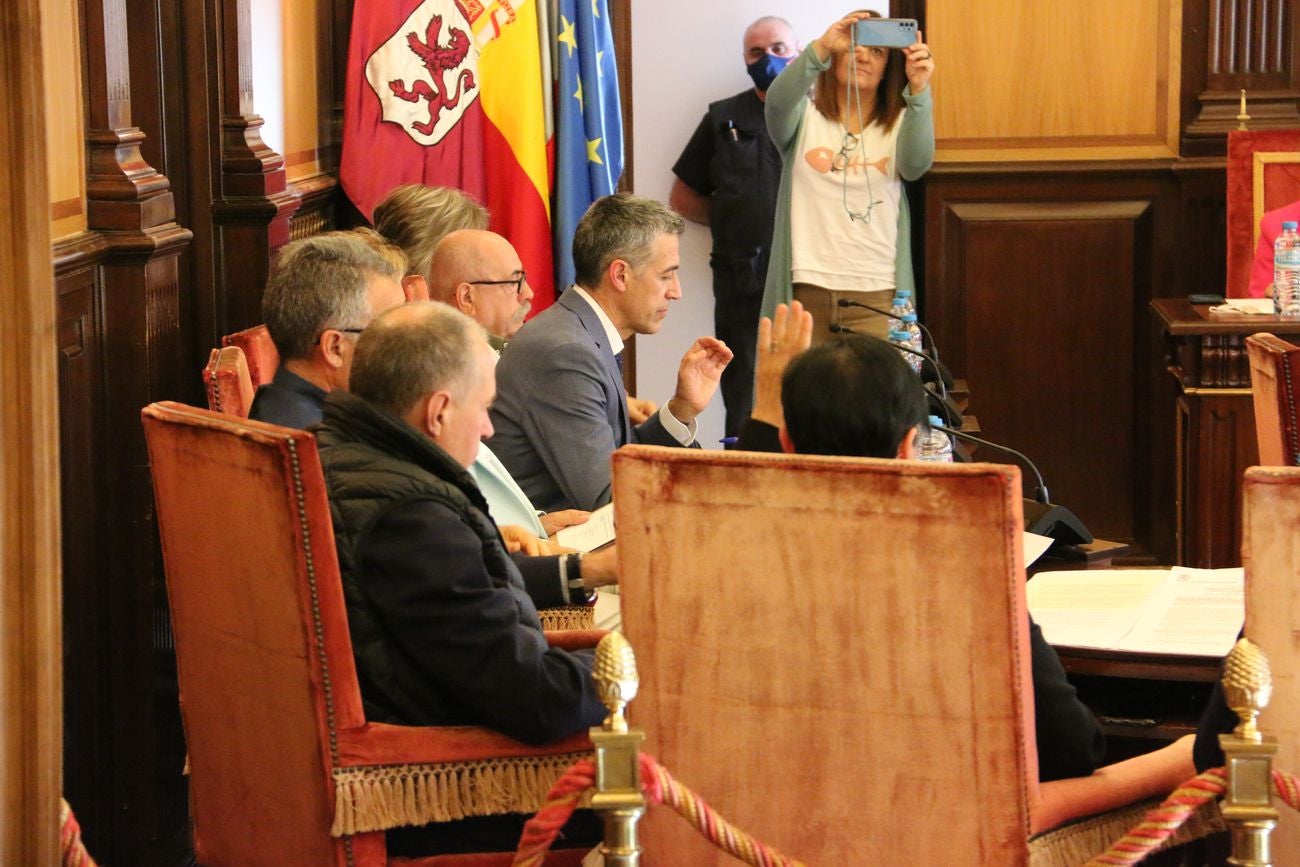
(449, 93)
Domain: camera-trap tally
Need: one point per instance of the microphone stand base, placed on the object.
(1055, 522)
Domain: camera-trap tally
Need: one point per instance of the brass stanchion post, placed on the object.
(618, 795)
(1248, 803)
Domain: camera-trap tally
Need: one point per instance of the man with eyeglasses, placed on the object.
(480, 274)
(322, 292)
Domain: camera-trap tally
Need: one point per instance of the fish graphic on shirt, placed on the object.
(823, 161)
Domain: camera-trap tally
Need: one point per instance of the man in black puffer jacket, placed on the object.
(442, 628)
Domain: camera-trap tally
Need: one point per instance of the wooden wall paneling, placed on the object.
(1037, 286)
(30, 656)
(79, 332)
(1228, 46)
(130, 205)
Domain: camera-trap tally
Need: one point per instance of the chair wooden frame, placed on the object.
(1274, 380)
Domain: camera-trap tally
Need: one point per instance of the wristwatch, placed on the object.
(578, 594)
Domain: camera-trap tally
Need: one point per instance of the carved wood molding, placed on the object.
(1231, 45)
(31, 749)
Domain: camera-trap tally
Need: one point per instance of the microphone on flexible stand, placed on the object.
(1042, 516)
(944, 375)
(946, 408)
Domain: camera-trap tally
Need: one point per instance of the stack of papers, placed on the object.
(1185, 612)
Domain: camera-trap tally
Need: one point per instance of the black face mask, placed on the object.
(765, 70)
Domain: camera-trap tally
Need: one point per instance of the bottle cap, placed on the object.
(908, 317)
(906, 293)
(1289, 224)
(899, 335)
(935, 420)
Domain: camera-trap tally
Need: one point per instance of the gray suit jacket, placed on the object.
(561, 411)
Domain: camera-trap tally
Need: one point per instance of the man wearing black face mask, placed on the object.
(727, 179)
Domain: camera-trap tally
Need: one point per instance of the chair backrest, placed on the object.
(1274, 382)
(259, 349)
(258, 614)
(1263, 173)
(833, 651)
(1270, 551)
(227, 382)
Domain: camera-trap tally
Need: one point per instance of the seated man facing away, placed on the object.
(561, 410)
(856, 396)
(479, 273)
(322, 291)
(416, 217)
(442, 628)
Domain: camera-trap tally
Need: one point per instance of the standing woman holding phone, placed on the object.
(842, 227)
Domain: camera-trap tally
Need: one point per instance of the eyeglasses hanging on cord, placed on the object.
(843, 160)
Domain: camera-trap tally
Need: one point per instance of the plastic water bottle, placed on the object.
(901, 304)
(905, 295)
(913, 332)
(935, 445)
(903, 339)
(1286, 271)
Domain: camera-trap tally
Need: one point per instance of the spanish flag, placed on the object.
(450, 93)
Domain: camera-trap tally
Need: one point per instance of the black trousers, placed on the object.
(735, 322)
(584, 830)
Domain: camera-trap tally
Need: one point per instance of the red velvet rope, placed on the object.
(660, 787)
(73, 851)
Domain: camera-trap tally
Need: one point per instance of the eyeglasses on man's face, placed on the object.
(517, 282)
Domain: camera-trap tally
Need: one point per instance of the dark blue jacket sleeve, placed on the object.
(474, 636)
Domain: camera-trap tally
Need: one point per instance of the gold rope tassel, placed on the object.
(379, 798)
(1078, 842)
(568, 617)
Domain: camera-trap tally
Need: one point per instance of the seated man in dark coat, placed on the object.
(322, 291)
(442, 628)
(856, 396)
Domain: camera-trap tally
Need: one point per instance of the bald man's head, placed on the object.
(479, 273)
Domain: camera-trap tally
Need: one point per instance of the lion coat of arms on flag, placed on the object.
(425, 75)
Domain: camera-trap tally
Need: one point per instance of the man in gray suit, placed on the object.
(560, 409)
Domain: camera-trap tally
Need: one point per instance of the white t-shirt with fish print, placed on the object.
(832, 176)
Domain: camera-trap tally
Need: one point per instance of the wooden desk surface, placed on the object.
(1180, 318)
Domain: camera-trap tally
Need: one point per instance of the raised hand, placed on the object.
(838, 38)
(920, 65)
(780, 339)
(697, 378)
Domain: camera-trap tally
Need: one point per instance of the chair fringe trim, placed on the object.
(568, 617)
(377, 798)
(1079, 842)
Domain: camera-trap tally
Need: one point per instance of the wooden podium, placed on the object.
(1214, 437)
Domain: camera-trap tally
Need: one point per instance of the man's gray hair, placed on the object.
(416, 218)
(318, 283)
(623, 227)
(413, 351)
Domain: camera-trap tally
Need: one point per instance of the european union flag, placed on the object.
(589, 128)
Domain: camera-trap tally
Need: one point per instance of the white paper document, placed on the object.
(596, 532)
(1035, 547)
(1188, 612)
(1250, 306)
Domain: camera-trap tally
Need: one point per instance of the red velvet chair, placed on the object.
(284, 767)
(228, 383)
(1270, 526)
(846, 674)
(259, 349)
(1263, 173)
(1274, 383)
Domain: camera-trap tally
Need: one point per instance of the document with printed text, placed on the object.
(597, 532)
(1186, 612)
